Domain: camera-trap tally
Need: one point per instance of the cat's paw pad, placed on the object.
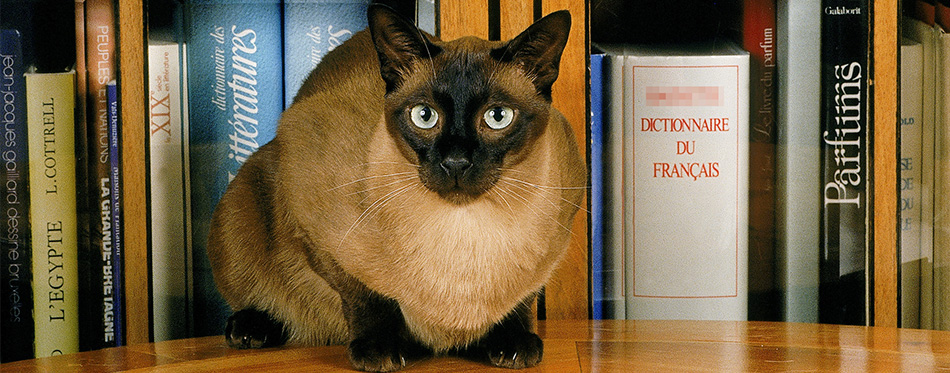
(251, 328)
(383, 353)
(516, 352)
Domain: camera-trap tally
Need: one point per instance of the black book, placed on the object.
(845, 259)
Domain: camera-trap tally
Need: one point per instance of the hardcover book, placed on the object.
(117, 314)
(759, 39)
(50, 104)
(16, 306)
(97, 306)
(798, 164)
(235, 99)
(911, 165)
(311, 29)
(844, 263)
(170, 212)
(942, 181)
(685, 181)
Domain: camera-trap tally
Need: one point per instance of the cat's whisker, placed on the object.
(496, 191)
(392, 163)
(401, 180)
(370, 178)
(527, 203)
(539, 186)
(529, 188)
(375, 207)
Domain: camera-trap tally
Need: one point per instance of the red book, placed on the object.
(758, 38)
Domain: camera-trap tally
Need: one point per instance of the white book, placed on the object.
(798, 173)
(615, 287)
(927, 36)
(168, 191)
(685, 182)
(942, 184)
(911, 79)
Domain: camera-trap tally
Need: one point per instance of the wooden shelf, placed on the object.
(567, 294)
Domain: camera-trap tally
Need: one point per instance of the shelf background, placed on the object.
(567, 296)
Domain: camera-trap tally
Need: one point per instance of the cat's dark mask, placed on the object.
(466, 109)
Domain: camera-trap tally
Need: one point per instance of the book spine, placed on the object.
(16, 306)
(844, 261)
(758, 37)
(169, 228)
(911, 166)
(596, 187)
(614, 278)
(311, 29)
(50, 105)
(941, 283)
(236, 97)
(115, 199)
(98, 326)
(925, 34)
(687, 188)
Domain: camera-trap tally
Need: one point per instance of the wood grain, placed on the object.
(568, 294)
(885, 166)
(463, 18)
(576, 345)
(134, 126)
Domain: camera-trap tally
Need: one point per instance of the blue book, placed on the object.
(115, 199)
(596, 187)
(16, 306)
(235, 87)
(311, 29)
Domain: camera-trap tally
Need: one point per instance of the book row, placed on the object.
(62, 273)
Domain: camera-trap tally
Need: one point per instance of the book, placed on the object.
(235, 88)
(845, 272)
(311, 29)
(50, 104)
(911, 83)
(758, 38)
(597, 224)
(685, 181)
(16, 305)
(98, 269)
(613, 140)
(798, 166)
(941, 274)
(115, 202)
(925, 34)
(168, 166)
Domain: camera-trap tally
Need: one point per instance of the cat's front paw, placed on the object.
(383, 352)
(516, 352)
(250, 328)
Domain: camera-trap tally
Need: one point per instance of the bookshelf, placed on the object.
(567, 294)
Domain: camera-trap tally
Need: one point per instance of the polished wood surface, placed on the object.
(577, 346)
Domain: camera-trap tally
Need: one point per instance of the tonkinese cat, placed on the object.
(417, 196)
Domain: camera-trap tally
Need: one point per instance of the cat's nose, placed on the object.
(454, 166)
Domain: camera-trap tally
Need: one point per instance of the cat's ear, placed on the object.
(398, 42)
(537, 50)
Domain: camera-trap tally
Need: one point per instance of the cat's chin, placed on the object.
(459, 196)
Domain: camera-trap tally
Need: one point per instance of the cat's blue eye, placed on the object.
(499, 117)
(424, 116)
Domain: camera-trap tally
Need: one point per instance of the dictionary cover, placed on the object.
(235, 99)
(844, 262)
(685, 181)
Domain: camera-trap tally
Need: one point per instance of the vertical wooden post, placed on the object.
(463, 18)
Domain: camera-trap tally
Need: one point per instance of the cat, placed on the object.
(417, 196)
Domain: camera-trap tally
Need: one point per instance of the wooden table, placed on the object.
(577, 346)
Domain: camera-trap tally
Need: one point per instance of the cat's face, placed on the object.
(466, 110)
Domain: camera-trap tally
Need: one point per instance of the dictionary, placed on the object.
(311, 29)
(845, 260)
(235, 88)
(52, 172)
(685, 182)
(16, 306)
